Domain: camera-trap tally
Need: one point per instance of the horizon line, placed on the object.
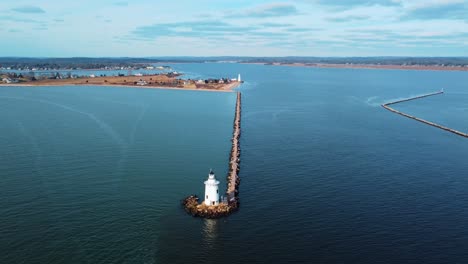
(222, 56)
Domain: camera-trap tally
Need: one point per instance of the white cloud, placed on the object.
(300, 27)
(421, 4)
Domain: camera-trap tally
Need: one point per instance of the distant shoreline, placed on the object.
(364, 66)
(292, 64)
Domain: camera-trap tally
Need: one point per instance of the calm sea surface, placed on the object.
(96, 174)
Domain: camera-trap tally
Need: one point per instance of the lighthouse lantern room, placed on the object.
(211, 190)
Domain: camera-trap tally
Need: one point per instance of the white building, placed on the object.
(211, 190)
(142, 82)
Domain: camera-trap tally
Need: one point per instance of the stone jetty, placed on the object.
(386, 106)
(414, 98)
(233, 175)
(231, 203)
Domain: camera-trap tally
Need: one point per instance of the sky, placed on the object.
(144, 28)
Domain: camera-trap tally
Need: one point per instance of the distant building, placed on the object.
(6, 80)
(138, 74)
(150, 68)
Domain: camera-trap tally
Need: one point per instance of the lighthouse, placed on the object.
(239, 78)
(211, 190)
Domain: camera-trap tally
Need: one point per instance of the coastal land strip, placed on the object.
(387, 106)
(159, 81)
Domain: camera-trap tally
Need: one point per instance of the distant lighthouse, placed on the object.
(238, 78)
(211, 190)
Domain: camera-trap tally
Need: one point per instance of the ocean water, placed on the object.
(96, 174)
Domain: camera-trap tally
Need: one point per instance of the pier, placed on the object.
(386, 106)
(231, 202)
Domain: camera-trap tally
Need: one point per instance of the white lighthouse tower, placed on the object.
(239, 78)
(211, 190)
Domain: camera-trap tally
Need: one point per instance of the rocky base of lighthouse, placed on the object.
(194, 208)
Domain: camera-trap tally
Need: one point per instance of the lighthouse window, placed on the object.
(217, 191)
(207, 197)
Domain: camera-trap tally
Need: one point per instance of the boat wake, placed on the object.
(104, 126)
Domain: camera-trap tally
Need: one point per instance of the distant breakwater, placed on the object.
(386, 106)
(231, 203)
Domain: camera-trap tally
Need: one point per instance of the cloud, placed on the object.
(121, 3)
(270, 24)
(448, 9)
(41, 28)
(301, 29)
(212, 31)
(288, 44)
(351, 3)
(29, 10)
(268, 10)
(348, 18)
(426, 36)
(434, 36)
(189, 29)
(17, 19)
(375, 33)
(244, 27)
(266, 34)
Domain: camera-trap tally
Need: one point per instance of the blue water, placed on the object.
(95, 174)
